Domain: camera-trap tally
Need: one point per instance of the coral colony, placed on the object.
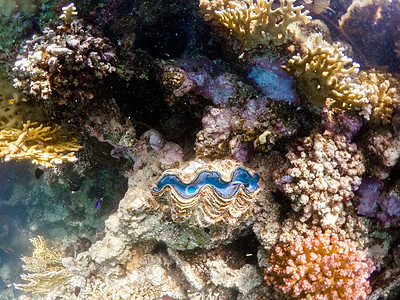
(212, 149)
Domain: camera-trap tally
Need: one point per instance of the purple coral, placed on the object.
(373, 203)
(270, 80)
(200, 76)
(235, 131)
(342, 123)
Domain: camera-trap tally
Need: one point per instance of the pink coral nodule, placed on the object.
(319, 266)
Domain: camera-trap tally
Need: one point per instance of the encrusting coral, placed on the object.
(259, 124)
(383, 205)
(45, 146)
(320, 177)
(15, 108)
(382, 147)
(319, 266)
(47, 271)
(256, 22)
(325, 72)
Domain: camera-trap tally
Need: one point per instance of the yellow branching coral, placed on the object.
(256, 22)
(326, 73)
(208, 7)
(68, 12)
(382, 91)
(45, 146)
(47, 271)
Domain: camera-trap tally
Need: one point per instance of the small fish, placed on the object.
(38, 172)
(317, 7)
(77, 290)
(6, 249)
(11, 101)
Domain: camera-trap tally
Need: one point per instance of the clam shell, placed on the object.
(217, 192)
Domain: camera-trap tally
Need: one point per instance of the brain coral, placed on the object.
(319, 266)
(320, 177)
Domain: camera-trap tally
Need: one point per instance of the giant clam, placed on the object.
(217, 192)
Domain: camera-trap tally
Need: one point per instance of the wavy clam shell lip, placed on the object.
(208, 196)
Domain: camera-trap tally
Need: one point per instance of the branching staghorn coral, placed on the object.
(382, 91)
(256, 22)
(319, 266)
(39, 143)
(326, 72)
(47, 271)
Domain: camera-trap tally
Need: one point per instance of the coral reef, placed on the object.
(320, 176)
(381, 146)
(194, 77)
(319, 266)
(373, 203)
(43, 145)
(377, 18)
(339, 121)
(270, 80)
(16, 109)
(204, 165)
(256, 22)
(9, 7)
(47, 270)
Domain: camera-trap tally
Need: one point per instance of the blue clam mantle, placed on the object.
(240, 177)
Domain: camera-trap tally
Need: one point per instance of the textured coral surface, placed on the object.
(320, 266)
(320, 177)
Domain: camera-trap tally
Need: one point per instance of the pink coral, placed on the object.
(319, 266)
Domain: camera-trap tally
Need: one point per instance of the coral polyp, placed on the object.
(208, 194)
